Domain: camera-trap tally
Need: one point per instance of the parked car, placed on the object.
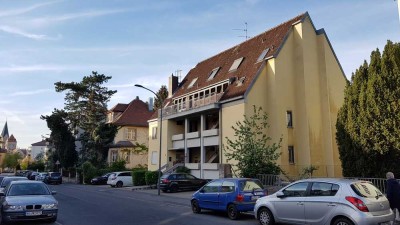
(101, 179)
(41, 176)
(32, 175)
(28, 200)
(7, 180)
(180, 181)
(53, 178)
(325, 202)
(120, 179)
(233, 195)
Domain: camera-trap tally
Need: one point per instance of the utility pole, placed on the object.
(398, 8)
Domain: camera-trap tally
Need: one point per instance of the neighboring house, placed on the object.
(22, 152)
(133, 128)
(291, 71)
(38, 147)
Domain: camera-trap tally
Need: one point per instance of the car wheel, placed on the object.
(233, 213)
(343, 221)
(195, 206)
(265, 217)
(173, 188)
(119, 184)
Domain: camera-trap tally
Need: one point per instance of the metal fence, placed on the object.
(270, 180)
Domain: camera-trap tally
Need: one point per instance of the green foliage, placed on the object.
(162, 94)
(138, 177)
(88, 172)
(61, 141)
(118, 166)
(36, 166)
(151, 177)
(308, 171)
(368, 124)
(86, 106)
(250, 148)
(11, 160)
(182, 169)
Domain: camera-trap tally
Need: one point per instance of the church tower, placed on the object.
(4, 136)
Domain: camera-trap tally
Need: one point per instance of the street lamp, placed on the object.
(159, 153)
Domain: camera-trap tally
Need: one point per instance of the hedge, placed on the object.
(151, 177)
(138, 177)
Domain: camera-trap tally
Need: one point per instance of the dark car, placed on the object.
(53, 178)
(100, 180)
(180, 181)
(233, 195)
(7, 180)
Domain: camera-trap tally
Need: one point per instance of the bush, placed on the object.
(101, 172)
(151, 177)
(182, 169)
(88, 171)
(117, 166)
(138, 177)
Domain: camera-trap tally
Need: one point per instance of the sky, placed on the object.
(144, 42)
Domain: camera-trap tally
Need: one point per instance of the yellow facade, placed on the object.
(305, 79)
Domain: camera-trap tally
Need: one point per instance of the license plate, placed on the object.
(255, 197)
(34, 213)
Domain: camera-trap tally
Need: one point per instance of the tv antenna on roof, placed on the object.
(245, 30)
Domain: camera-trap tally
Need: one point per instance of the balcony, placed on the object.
(191, 105)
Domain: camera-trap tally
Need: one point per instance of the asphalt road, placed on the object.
(102, 205)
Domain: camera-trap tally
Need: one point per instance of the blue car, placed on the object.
(233, 195)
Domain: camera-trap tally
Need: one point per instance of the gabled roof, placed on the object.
(4, 133)
(12, 138)
(40, 143)
(250, 50)
(136, 114)
(119, 107)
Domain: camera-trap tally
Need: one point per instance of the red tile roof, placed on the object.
(40, 143)
(250, 50)
(119, 107)
(136, 114)
(12, 138)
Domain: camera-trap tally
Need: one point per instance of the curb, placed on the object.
(142, 188)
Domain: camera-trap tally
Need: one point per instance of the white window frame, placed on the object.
(154, 132)
(130, 134)
(154, 158)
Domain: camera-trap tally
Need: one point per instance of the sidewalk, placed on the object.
(154, 191)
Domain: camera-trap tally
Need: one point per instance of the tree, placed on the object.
(368, 125)
(11, 160)
(162, 94)
(61, 140)
(250, 148)
(86, 106)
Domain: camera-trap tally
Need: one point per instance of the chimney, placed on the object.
(151, 104)
(172, 85)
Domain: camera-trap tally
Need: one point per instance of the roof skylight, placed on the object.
(192, 83)
(213, 73)
(263, 54)
(236, 64)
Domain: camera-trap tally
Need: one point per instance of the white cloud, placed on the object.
(19, 32)
(34, 92)
(16, 12)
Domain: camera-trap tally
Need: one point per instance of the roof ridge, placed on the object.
(235, 46)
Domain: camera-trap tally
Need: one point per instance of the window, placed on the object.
(190, 177)
(192, 83)
(263, 54)
(154, 159)
(154, 133)
(130, 134)
(291, 154)
(212, 187)
(324, 189)
(289, 119)
(213, 73)
(296, 190)
(236, 64)
(114, 156)
(228, 186)
(365, 189)
(128, 157)
(250, 185)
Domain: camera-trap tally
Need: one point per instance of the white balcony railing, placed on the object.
(192, 104)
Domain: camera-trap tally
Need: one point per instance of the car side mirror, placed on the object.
(53, 192)
(280, 194)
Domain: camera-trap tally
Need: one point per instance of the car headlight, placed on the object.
(13, 207)
(49, 206)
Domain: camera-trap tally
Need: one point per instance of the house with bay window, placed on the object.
(290, 70)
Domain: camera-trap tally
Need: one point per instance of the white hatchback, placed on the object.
(120, 179)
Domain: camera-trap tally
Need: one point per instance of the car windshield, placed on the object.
(56, 174)
(7, 181)
(250, 185)
(28, 189)
(366, 190)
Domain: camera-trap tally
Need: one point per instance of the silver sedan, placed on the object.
(27, 201)
(325, 201)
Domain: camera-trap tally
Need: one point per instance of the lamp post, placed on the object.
(159, 153)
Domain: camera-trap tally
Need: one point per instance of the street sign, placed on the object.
(58, 163)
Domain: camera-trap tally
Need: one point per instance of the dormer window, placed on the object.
(263, 54)
(213, 73)
(192, 83)
(236, 64)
